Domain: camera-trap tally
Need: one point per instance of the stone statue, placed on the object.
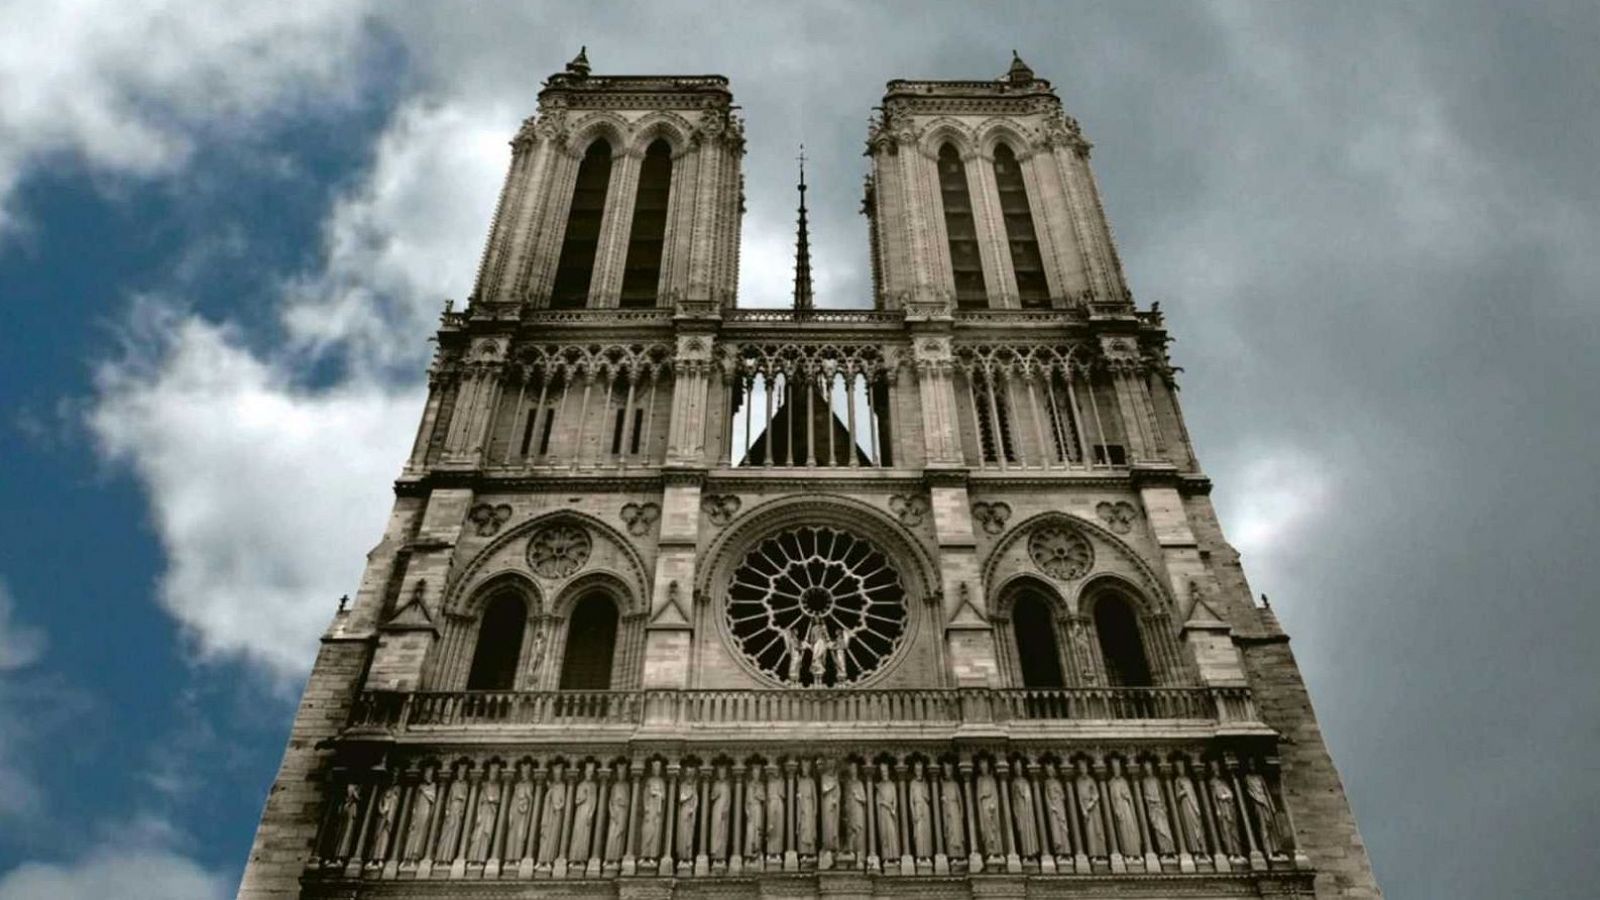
(617, 819)
(382, 831)
(1255, 788)
(349, 821)
(487, 817)
(688, 812)
(987, 800)
(555, 807)
(1082, 650)
(521, 812)
(955, 826)
(1123, 815)
(855, 819)
(840, 645)
(755, 801)
(455, 813)
(654, 804)
(721, 798)
(776, 810)
(1055, 806)
(1194, 832)
(584, 800)
(1022, 811)
(1155, 809)
(536, 657)
(1094, 829)
(805, 811)
(817, 639)
(888, 804)
(921, 804)
(1227, 812)
(829, 808)
(795, 646)
(422, 815)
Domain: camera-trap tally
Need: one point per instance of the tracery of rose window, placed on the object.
(816, 607)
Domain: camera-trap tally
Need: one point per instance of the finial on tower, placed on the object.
(802, 246)
(580, 63)
(1019, 73)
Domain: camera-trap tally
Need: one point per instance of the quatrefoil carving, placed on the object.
(910, 508)
(1118, 516)
(486, 519)
(639, 517)
(720, 508)
(991, 516)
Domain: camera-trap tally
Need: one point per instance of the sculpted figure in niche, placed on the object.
(1194, 832)
(487, 816)
(422, 815)
(840, 645)
(654, 803)
(536, 656)
(805, 808)
(1122, 812)
(1155, 809)
(955, 826)
(988, 803)
(795, 646)
(521, 812)
(385, 827)
(1227, 812)
(721, 791)
(688, 809)
(856, 813)
(617, 818)
(455, 813)
(755, 802)
(1055, 805)
(555, 807)
(1255, 787)
(584, 801)
(917, 797)
(1022, 811)
(1094, 829)
(888, 804)
(349, 821)
(829, 808)
(776, 809)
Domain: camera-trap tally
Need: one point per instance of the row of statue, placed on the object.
(911, 816)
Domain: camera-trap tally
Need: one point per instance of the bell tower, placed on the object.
(679, 598)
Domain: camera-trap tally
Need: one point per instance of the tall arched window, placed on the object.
(641, 273)
(1032, 289)
(1037, 653)
(965, 262)
(499, 647)
(1117, 624)
(575, 267)
(591, 644)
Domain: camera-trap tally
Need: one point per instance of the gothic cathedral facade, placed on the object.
(684, 599)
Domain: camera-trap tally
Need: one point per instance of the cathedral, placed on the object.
(684, 599)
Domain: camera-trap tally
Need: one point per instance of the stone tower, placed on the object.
(683, 599)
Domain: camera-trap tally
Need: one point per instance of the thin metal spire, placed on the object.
(802, 246)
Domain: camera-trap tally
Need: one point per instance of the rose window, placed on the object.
(1061, 552)
(816, 607)
(559, 550)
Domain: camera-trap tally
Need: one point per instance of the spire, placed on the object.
(802, 247)
(1019, 73)
(580, 63)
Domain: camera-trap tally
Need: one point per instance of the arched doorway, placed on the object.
(1116, 624)
(499, 646)
(591, 645)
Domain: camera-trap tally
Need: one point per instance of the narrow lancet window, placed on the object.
(499, 647)
(641, 274)
(591, 644)
(965, 263)
(1033, 291)
(1121, 646)
(1037, 653)
(575, 268)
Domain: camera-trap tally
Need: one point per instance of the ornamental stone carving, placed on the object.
(1118, 516)
(1060, 552)
(639, 517)
(557, 551)
(991, 516)
(486, 519)
(911, 509)
(720, 508)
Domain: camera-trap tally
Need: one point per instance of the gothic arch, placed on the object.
(633, 571)
(452, 657)
(1056, 636)
(1137, 571)
(614, 128)
(993, 131)
(945, 130)
(660, 124)
(628, 639)
(504, 578)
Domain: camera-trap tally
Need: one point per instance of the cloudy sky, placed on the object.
(226, 230)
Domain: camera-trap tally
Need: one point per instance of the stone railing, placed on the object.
(797, 316)
(401, 711)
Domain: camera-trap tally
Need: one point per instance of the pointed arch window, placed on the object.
(1033, 292)
(1038, 655)
(641, 273)
(965, 263)
(1116, 624)
(575, 266)
(591, 645)
(499, 646)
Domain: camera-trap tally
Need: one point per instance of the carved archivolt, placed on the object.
(1023, 359)
(1048, 544)
(603, 361)
(819, 361)
(602, 547)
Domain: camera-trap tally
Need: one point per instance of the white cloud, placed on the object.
(20, 645)
(129, 86)
(134, 862)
